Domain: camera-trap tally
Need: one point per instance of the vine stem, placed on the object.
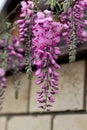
(28, 52)
(72, 52)
(46, 95)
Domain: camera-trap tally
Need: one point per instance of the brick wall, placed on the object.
(68, 113)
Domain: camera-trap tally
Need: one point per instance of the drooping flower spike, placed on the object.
(74, 26)
(46, 36)
(24, 22)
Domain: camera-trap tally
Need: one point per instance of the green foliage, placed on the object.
(67, 4)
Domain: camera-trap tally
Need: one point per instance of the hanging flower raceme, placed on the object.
(2, 64)
(12, 59)
(25, 32)
(74, 26)
(2, 85)
(12, 54)
(16, 62)
(46, 36)
(2, 78)
(2, 71)
(24, 22)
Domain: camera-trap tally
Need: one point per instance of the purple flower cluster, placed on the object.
(2, 43)
(15, 55)
(2, 68)
(42, 35)
(46, 36)
(24, 22)
(2, 78)
(11, 56)
(78, 14)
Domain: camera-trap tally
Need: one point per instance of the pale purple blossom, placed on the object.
(2, 72)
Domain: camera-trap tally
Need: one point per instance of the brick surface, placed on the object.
(29, 123)
(12, 105)
(71, 86)
(2, 123)
(70, 122)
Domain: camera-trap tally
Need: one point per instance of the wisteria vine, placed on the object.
(38, 44)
